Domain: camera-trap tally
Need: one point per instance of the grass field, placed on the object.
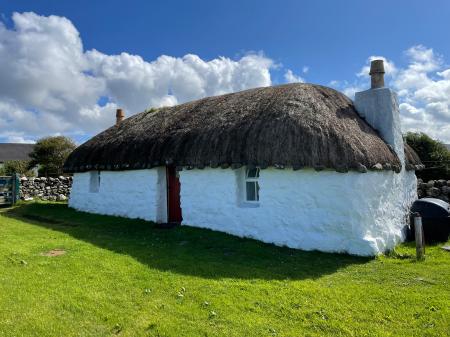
(122, 277)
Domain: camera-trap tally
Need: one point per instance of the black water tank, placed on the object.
(435, 215)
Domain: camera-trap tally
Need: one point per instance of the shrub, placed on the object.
(50, 153)
(433, 154)
(21, 167)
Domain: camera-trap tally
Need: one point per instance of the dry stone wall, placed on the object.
(434, 189)
(53, 189)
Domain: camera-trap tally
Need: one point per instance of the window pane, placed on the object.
(253, 173)
(94, 181)
(251, 190)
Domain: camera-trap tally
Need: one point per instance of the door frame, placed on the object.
(171, 172)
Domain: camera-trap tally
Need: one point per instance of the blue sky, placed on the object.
(332, 38)
(325, 42)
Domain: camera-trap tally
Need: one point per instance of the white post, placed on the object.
(418, 230)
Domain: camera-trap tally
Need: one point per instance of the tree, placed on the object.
(433, 154)
(21, 167)
(50, 153)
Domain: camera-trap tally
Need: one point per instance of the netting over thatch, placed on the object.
(294, 125)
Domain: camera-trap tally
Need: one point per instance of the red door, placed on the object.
(173, 195)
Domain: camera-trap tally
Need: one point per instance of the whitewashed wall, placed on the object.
(357, 213)
(133, 194)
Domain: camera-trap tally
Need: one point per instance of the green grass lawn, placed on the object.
(123, 277)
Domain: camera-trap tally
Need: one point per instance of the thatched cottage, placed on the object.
(299, 165)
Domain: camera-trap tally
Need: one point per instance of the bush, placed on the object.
(50, 153)
(433, 154)
(21, 167)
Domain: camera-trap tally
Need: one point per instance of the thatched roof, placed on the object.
(294, 125)
(413, 161)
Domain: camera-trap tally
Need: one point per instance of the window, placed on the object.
(251, 185)
(94, 181)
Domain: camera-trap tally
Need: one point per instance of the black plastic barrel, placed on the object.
(435, 215)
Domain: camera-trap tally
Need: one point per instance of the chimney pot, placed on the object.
(119, 116)
(377, 74)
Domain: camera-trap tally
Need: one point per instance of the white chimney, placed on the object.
(379, 107)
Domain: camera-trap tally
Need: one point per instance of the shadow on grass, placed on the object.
(184, 250)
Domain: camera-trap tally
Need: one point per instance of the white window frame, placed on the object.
(94, 181)
(253, 180)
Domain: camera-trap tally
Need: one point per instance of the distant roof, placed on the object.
(294, 125)
(14, 151)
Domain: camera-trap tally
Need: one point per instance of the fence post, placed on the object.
(418, 231)
(13, 189)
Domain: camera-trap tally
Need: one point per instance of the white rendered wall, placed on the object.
(358, 213)
(132, 194)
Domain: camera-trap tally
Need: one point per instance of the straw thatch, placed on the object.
(412, 160)
(293, 125)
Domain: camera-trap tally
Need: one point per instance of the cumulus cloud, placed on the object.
(51, 85)
(389, 67)
(423, 86)
(137, 84)
(290, 77)
(424, 90)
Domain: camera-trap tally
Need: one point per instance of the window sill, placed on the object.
(247, 204)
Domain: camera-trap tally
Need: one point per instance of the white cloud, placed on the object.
(51, 85)
(389, 67)
(17, 137)
(290, 77)
(138, 84)
(423, 87)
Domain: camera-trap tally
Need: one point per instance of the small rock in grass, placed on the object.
(61, 197)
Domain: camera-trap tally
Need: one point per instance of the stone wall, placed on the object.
(434, 189)
(53, 189)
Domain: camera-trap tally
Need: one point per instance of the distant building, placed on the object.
(14, 151)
